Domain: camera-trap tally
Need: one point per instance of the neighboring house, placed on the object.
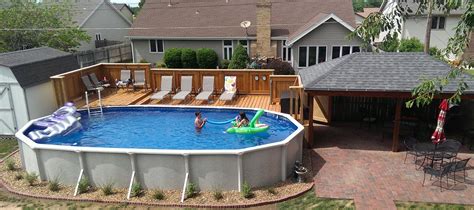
(301, 32)
(125, 10)
(26, 91)
(442, 27)
(360, 16)
(101, 20)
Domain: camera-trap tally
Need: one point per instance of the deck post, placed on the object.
(396, 126)
(310, 121)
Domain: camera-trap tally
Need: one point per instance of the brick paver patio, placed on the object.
(357, 164)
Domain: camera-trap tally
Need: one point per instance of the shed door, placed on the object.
(7, 115)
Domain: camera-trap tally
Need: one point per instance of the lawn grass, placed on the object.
(7, 145)
(435, 206)
(310, 201)
(471, 72)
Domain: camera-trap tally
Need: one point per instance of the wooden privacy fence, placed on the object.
(110, 54)
(281, 83)
(69, 86)
(249, 81)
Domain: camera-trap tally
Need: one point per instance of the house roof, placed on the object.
(377, 72)
(367, 11)
(218, 19)
(84, 10)
(119, 7)
(35, 66)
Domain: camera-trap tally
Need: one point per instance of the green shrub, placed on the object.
(224, 64)
(246, 191)
(390, 44)
(31, 178)
(107, 189)
(53, 185)
(206, 58)
(188, 58)
(191, 190)
(410, 45)
(83, 185)
(240, 58)
(435, 52)
(18, 176)
(272, 191)
(172, 58)
(158, 194)
(10, 164)
(280, 67)
(217, 194)
(160, 64)
(143, 60)
(137, 189)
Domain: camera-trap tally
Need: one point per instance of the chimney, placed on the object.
(264, 16)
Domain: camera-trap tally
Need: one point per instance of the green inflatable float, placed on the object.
(253, 126)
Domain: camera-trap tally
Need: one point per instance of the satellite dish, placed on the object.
(245, 24)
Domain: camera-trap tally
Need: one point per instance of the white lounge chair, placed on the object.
(166, 86)
(139, 79)
(230, 88)
(186, 88)
(207, 88)
(124, 78)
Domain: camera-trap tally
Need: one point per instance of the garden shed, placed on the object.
(26, 91)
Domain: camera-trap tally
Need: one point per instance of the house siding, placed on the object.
(43, 93)
(142, 49)
(109, 24)
(328, 34)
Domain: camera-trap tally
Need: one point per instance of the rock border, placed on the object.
(255, 204)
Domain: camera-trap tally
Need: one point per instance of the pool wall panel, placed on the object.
(61, 165)
(262, 167)
(108, 168)
(212, 172)
(30, 160)
(160, 171)
(294, 152)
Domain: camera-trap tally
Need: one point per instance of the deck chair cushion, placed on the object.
(139, 78)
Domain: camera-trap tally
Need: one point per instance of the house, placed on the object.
(125, 10)
(26, 91)
(360, 16)
(442, 27)
(103, 22)
(302, 32)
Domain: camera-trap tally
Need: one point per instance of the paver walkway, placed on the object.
(357, 164)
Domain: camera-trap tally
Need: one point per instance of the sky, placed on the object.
(132, 3)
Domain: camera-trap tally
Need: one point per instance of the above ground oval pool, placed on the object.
(159, 147)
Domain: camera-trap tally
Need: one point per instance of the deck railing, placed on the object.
(291, 84)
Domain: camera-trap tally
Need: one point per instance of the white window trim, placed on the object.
(289, 60)
(156, 45)
(340, 49)
(307, 54)
(224, 47)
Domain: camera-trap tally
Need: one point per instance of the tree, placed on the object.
(240, 58)
(358, 5)
(423, 94)
(390, 44)
(410, 45)
(26, 25)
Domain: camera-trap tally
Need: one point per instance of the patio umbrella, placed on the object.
(438, 134)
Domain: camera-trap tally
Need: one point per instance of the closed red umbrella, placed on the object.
(438, 134)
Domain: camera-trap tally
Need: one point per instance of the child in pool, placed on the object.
(199, 122)
(241, 120)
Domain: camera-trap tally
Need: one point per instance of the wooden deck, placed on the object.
(141, 97)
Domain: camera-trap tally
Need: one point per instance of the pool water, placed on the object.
(169, 128)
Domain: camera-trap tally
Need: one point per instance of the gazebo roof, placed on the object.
(393, 72)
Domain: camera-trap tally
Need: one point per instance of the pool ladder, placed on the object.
(93, 113)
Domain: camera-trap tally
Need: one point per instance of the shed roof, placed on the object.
(35, 66)
(377, 72)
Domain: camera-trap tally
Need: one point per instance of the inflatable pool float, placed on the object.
(253, 126)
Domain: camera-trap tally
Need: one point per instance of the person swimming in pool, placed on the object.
(199, 122)
(241, 120)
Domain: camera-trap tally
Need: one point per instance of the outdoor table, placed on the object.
(431, 152)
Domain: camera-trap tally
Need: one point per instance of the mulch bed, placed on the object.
(231, 199)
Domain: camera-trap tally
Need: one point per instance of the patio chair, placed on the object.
(230, 88)
(450, 147)
(186, 88)
(165, 90)
(125, 79)
(96, 82)
(410, 143)
(89, 86)
(440, 173)
(460, 166)
(139, 79)
(207, 88)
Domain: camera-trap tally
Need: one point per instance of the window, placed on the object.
(339, 51)
(156, 46)
(438, 22)
(227, 49)
(244, 44)
(286, 52)
(311, 55)
(98, 36)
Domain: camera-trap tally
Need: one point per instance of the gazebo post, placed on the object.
(396, 126)
(310, 120)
